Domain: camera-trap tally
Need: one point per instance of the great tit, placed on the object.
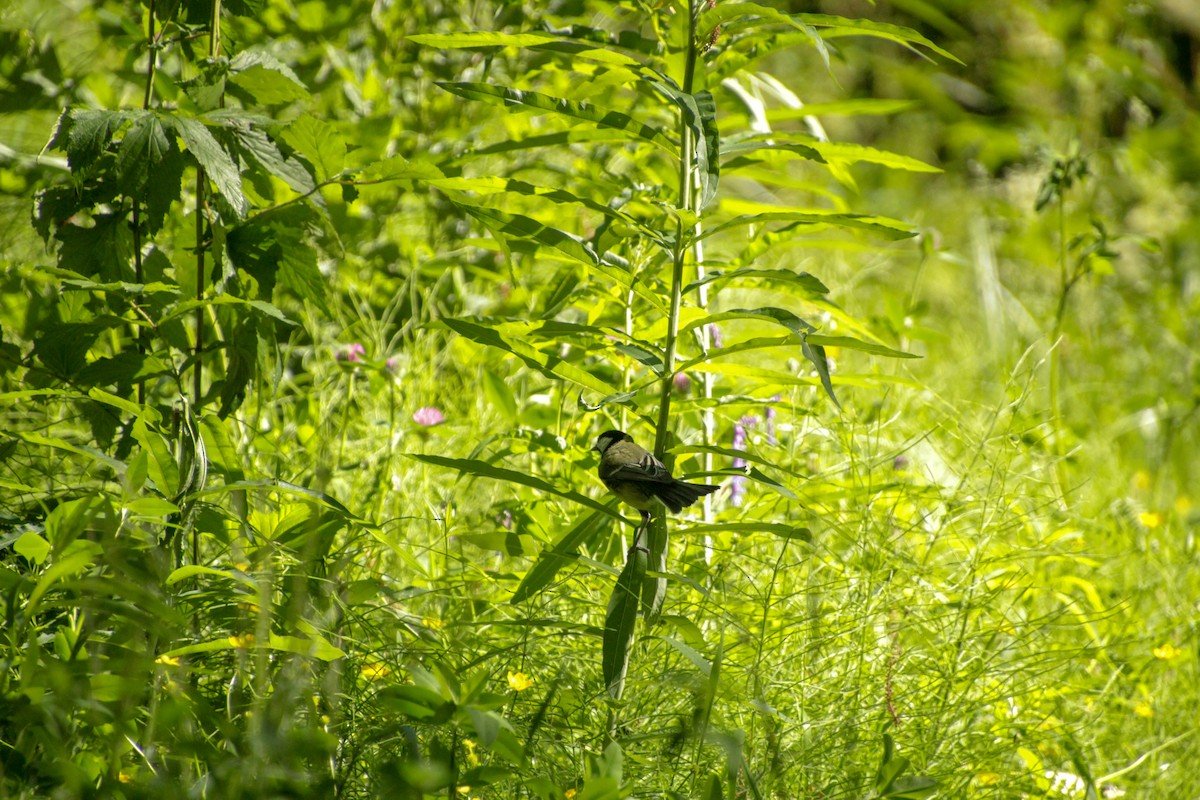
(637, 477)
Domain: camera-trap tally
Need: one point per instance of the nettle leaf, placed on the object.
(217, 163)
(164, 187)
(604, 117)
(105, 249)
(265, 86)
(273, 248)
(319, 143)
(258, 148)
(121, 369)
(85, 134)
(145, 145)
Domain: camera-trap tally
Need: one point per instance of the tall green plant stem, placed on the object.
(687, 168)
(214, 50)
(1066, 282)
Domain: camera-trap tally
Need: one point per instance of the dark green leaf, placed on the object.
(549, 364)
(604, 117)
(621, 621)
(319, 143)
(217, 163)
(485, 470)
(560, 554)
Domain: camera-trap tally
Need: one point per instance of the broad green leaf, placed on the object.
(145, 145)
(86, 133)
(560, 554)
(319, 143)
(399, 168)
(621, 621)
(267, 86)
(123, 368)
(549, 364)
(217, 163)
(32, 546)
(192, 570)
(604, 117)
(483, 469)
(261, 149)
(70, 447)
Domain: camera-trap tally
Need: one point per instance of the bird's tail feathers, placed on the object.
(678, 495)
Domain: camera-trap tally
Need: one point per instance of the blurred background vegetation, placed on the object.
(982, 581)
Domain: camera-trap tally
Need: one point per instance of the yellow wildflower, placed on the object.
(519, 681)
(1167, 652)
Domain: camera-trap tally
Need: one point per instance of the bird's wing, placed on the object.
(648, 468)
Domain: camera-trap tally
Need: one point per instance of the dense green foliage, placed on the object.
(312, 311)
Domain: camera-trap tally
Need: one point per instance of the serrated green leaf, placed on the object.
(604, 117)
(217, 163)
(259, 147)
(86, 133)
(266, 86)
(141, 151)
(319, 143)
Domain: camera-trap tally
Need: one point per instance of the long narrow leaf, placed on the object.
(620, 622)
(604, 117)
(483, 469)
(549, 364)
(559, 555)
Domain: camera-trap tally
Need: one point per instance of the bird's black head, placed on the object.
(609, 438)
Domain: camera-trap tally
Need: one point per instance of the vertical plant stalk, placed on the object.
(138, 275)
(687, 169)
(1065, 284)
(214, 50)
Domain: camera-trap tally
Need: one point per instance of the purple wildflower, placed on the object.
(428, 416)
(715, 339)
(392, 364)
(505, 519)
(769, 415)
(353, 353)
(737, 486)
(681, 383)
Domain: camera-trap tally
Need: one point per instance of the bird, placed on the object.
(638, 478)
